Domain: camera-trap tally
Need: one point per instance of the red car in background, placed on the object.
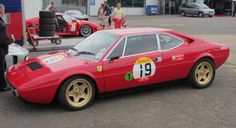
(112, 60)
(68, 26)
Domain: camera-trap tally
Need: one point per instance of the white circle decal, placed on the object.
(144, 68)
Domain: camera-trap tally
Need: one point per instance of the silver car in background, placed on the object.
(16, 54)
(196, 9)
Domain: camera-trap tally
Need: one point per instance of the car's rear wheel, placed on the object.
(182, 13)
(200, 14)
(202, 74)
(86, 30)
(77, 93)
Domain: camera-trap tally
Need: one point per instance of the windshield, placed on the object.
(203, 6)
(73, 13)
(94, 46)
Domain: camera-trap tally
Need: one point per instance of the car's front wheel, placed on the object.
(200, 14)
(202, 74)
(182, 13)
(76, 93)
(86, 30)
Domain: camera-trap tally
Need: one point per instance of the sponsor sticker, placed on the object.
(53, 59)
(129, 76)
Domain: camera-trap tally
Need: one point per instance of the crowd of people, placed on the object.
(108, 14)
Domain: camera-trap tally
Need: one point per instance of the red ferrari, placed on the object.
(112, 60)
(69, 26)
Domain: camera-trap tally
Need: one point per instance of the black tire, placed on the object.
(86, 30)
(62, 94)
(210, 15)
(47, 14)
(57, 41)
(36, 43)
(47, 27)
(192, 76)
(200, 14)
(183, 13)
(47, 21)
(46, 33)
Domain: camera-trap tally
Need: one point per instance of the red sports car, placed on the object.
(69, 26)
(112, 60)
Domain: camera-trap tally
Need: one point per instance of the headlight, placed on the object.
(27, 57)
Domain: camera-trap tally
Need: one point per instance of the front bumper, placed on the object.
(12, 89)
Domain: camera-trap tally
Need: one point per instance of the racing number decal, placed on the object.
(144, 68)
(73, 27)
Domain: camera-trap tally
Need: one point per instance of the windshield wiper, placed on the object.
(85, 52)
(82, 52)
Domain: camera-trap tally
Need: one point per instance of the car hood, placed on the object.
(51, 63)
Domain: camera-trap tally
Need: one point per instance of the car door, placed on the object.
(72, 25)
(60, 24)
(131, 63)
(194, 9)
(175, 58)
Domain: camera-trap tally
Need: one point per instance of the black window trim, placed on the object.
(114, 47)
(157, 39)
(170, 36)
(126, 37)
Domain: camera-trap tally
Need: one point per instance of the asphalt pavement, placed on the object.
(168, 105)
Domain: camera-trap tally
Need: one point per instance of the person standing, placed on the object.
(106, 13)
(118, 16)
(109, 13)
(4, 42)
(52, 7)
(100, 16)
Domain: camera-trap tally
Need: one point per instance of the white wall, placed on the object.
(135, 11)
(93, 9)
(32, 8)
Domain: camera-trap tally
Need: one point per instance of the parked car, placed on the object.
(112, 60)
(16, 54)
(196, 9)
(68, 26)
(77, 14)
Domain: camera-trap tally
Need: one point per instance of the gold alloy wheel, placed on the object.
(204, 73)
(79, 92)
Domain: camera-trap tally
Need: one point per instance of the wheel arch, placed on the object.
(73, 75)
(207, 56)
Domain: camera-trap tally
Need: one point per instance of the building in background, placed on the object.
(63, 5)
(138, 7)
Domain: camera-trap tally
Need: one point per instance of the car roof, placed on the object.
(137, 31)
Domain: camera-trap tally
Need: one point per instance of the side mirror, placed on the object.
(115, 57)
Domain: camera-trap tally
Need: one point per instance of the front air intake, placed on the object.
(35, 66)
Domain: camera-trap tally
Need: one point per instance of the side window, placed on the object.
(168, 42)
(141, 44)
(186, 5)
(118, 51)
